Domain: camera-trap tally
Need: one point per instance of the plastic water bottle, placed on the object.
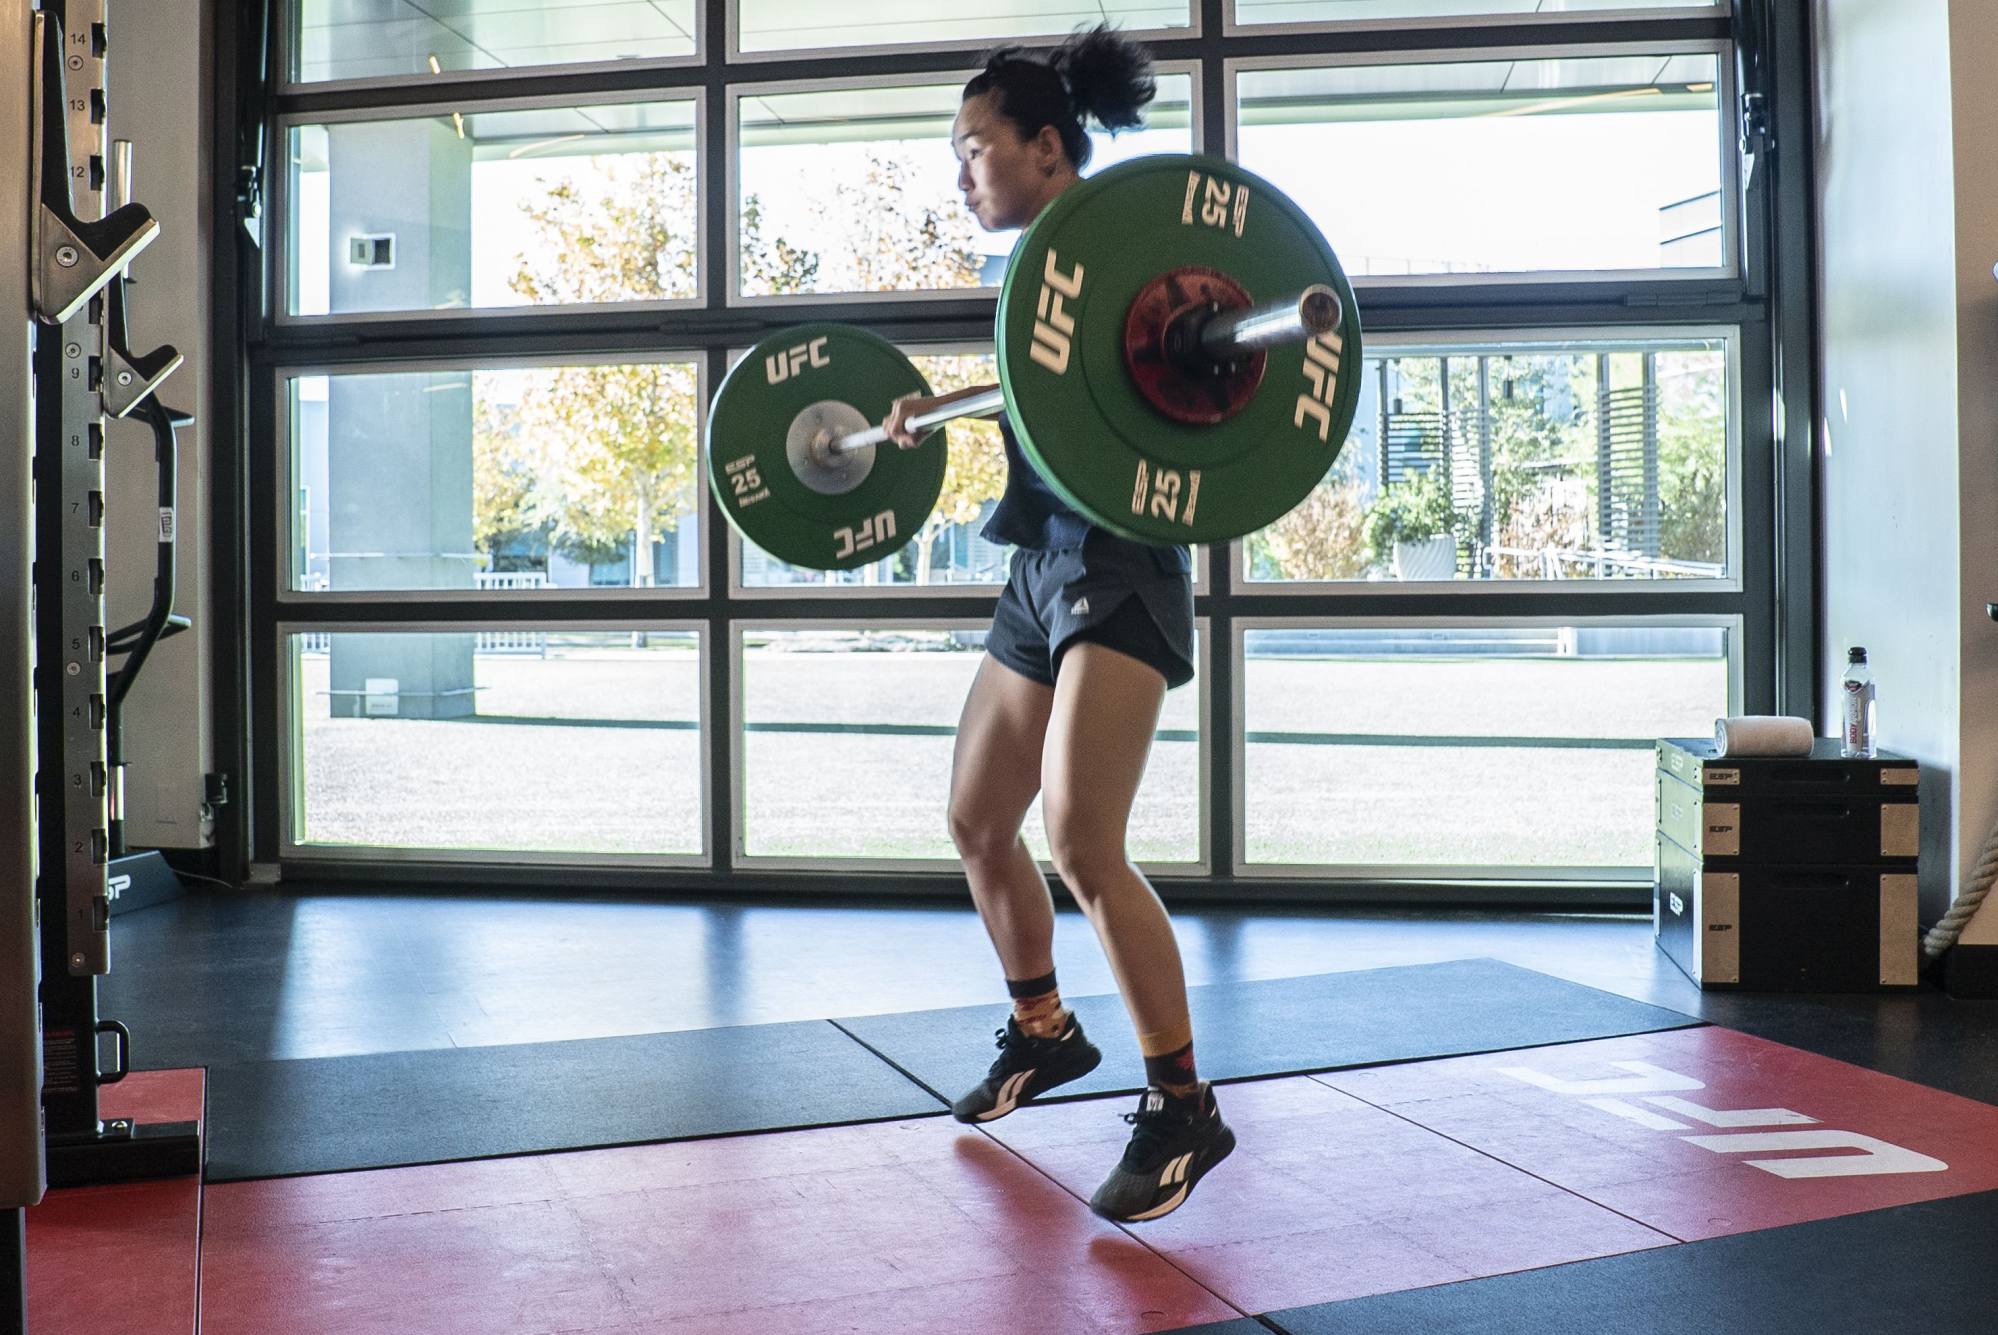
(1859, 706)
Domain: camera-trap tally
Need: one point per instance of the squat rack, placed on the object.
(64, 370)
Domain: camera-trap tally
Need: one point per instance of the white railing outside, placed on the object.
(527, 643)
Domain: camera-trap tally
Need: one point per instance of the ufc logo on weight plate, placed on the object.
(1054, 330)
(1661, 1088)
(781, 366)
(1321, 369)
(847, 541)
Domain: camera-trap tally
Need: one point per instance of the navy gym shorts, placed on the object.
(1109, 591)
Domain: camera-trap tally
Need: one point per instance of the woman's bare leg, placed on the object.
(1099, 734)
(995, 774)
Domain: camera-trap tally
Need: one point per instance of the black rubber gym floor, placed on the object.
(330, 1114)
(1921, 1267)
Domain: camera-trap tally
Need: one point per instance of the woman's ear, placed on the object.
(1048, 152)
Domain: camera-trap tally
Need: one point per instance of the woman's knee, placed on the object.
(1089, 855)
(980, 834)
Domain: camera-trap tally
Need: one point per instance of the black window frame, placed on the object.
(1769, 302)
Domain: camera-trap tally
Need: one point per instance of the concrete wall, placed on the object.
(1908, 433)
(157, 97)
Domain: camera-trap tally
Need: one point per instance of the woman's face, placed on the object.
(1005, 180)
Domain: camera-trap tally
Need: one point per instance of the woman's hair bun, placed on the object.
(1109, 77)
(1094, 75)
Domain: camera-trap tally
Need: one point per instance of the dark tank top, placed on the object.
(1030, 514)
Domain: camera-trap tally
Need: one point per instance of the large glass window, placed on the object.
(548, 206)
(516, 739)
(508, 266)
(848, 733)
(813, 25)
(854, 190)
(1425, 749)
(1483, 166)
(1593, 459)
(387, 39)
(579, 476)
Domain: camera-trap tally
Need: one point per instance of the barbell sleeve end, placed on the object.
(1304, 315)
(1319, 309)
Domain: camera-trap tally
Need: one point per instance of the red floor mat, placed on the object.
(121, 1260)
(1327, 1198)
(1700, 1132)
(907, 1227)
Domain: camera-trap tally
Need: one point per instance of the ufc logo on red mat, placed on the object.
(1660, 1088)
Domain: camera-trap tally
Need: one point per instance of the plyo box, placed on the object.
(1787, 873)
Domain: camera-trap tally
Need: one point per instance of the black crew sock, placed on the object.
(1174, 1073)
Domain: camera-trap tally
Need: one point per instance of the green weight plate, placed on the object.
(1073, 405)
(825, 516)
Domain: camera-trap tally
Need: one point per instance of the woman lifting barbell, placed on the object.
(1090, 633)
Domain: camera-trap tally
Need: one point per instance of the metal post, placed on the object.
(69, 464)
(1605, 460)
(23, 1168)
(71, 687)
(1651, 514)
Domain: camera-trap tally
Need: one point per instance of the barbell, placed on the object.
(1170, 341)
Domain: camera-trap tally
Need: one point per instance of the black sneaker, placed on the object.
(1027, 1068)
(1174, 1144)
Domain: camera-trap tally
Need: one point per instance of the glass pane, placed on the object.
(504, 740)
(870, 716)
(1510, 166)
(566, 477)
(1603, 459)
(1519, 747)
(855, 190)
(1353, 11)
(949, 549)
(809, 25)
(546, 207)
(387, 39)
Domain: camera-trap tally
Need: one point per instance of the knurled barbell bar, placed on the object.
(1207, 339)
(1135, 365)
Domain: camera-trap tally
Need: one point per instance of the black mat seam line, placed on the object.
(1676, 1240)
(1125, 1229)
(894, 1066)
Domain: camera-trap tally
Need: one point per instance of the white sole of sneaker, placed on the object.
(1177, 1199)
(1009, 1095)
